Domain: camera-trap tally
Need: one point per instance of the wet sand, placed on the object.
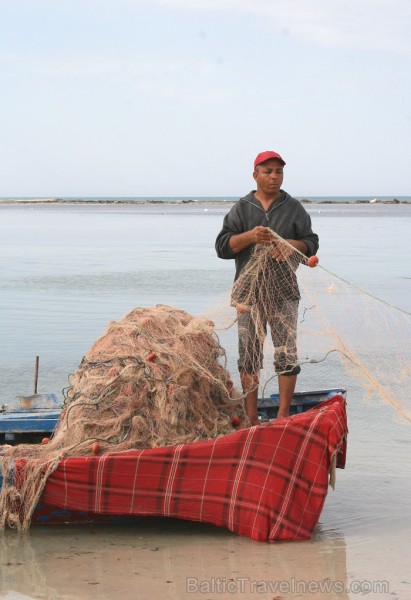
(159, 558)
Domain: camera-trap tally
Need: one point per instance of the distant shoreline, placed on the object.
(125, 202)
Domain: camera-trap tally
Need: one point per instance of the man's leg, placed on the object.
(286, 387)
(249, 362)
(250, 385)
(284, 335)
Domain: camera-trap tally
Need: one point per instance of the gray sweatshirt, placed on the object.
(287, 217)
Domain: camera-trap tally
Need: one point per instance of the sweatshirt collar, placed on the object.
(253, 200)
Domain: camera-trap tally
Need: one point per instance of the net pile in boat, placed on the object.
(155, 378)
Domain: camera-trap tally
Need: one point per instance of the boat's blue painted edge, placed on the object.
(45, 420)
(37, 413)
(300, 398)
(33, 422)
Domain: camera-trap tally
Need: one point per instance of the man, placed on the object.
(248, 227)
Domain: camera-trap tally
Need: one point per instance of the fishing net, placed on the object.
(355, 338)
(346, 337)
(155, 378)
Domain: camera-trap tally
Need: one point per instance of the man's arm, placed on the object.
(305, 234)
(258, 235)
(298, 245)
(261, 235)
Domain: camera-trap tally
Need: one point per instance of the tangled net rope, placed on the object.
(347, 337)
(153, 379)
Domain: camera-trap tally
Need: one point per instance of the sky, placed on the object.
(177, 97)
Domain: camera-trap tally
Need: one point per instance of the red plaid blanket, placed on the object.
(267, 482)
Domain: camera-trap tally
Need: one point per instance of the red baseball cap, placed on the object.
(263, 156)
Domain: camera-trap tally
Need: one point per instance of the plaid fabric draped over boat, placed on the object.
(267, 482)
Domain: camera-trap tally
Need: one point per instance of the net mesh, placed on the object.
(364, 340)
(155, 378)
(346, 337)
(160, 376)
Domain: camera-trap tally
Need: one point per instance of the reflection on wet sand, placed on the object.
(163, 558)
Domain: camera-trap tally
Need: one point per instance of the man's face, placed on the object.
(269, 176)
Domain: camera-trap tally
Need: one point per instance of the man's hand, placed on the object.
(258, 235)
(262, 235)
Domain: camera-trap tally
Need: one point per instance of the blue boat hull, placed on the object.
(32, 425)
(302, 401)
(29, 419)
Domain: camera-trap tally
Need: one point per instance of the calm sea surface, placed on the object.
(67, 269)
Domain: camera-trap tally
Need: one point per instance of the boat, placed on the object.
(31, 418)
(301, 401)
(268, 482)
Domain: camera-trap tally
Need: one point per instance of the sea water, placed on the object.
(67, 269)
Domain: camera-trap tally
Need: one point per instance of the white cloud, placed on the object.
(373, 24)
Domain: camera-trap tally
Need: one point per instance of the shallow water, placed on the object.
(66, 271)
